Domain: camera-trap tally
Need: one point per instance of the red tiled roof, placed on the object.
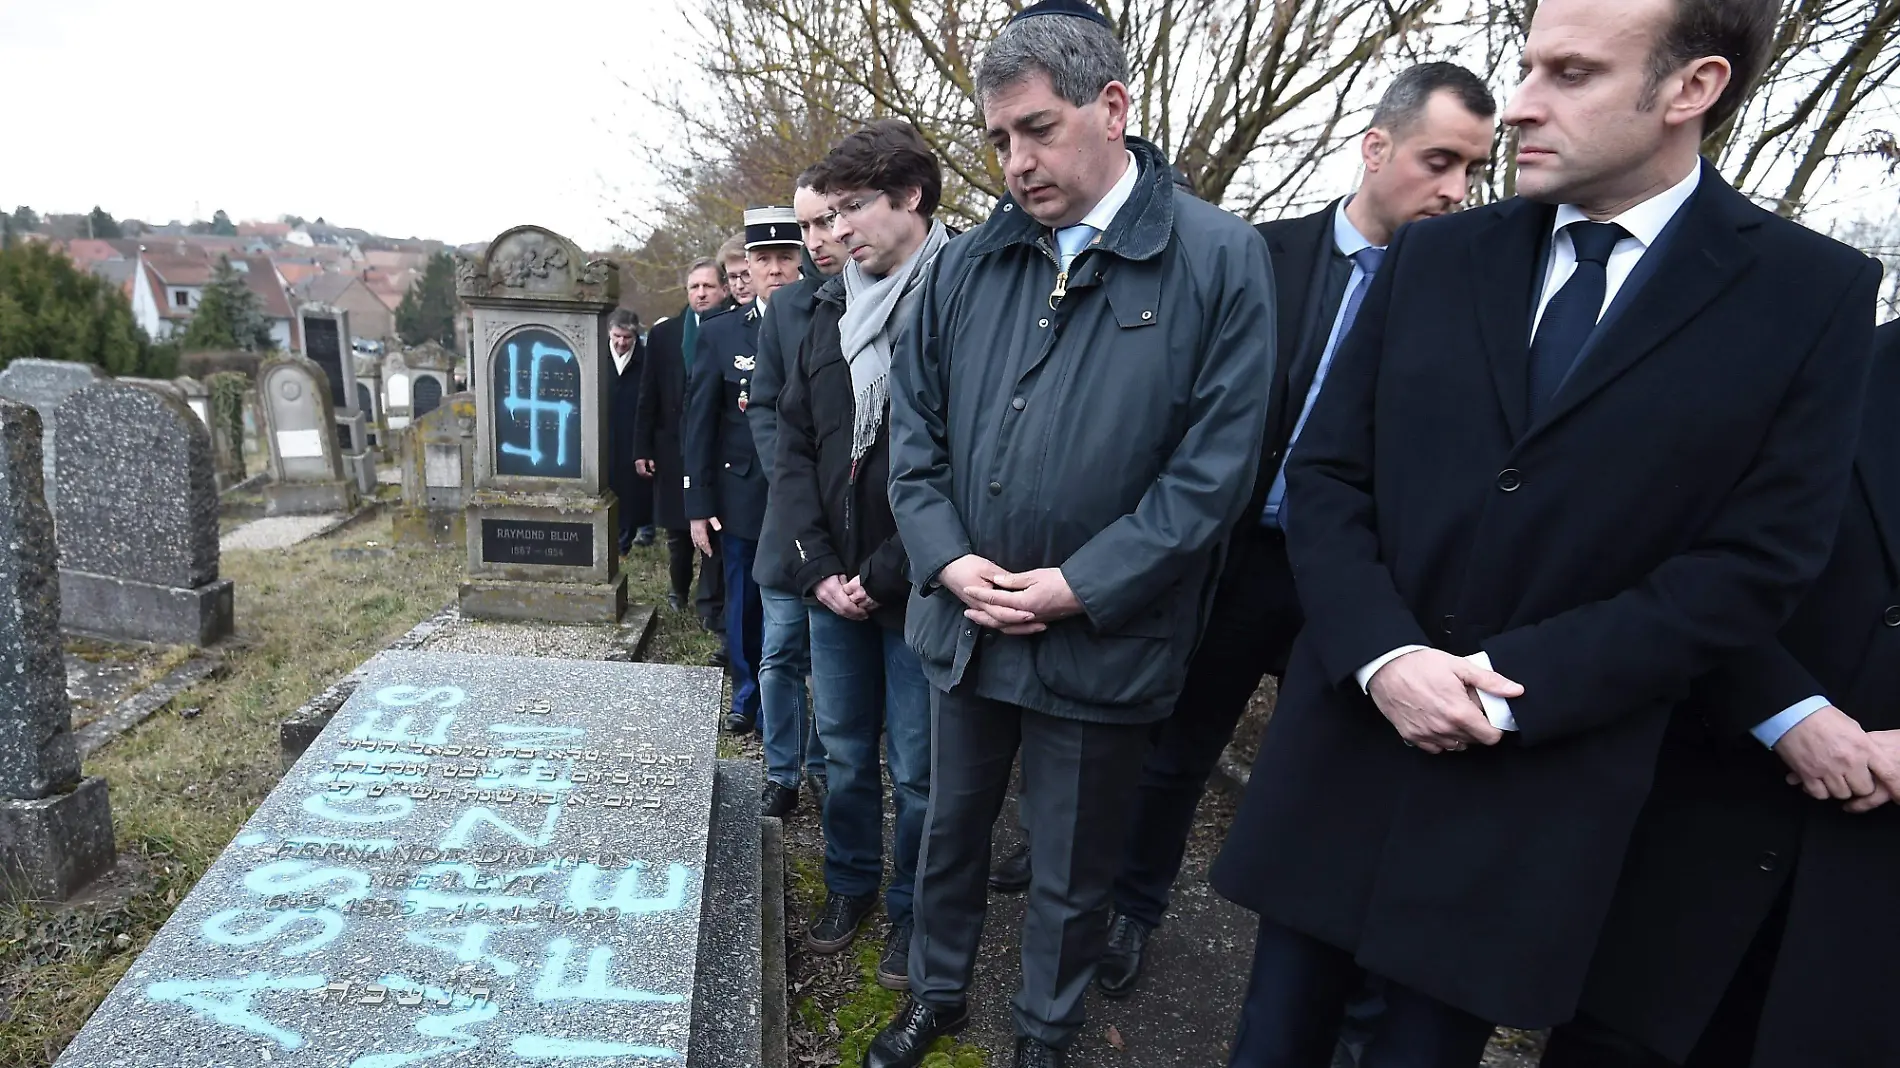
(179, 263)
(262, 280)
(295, 274)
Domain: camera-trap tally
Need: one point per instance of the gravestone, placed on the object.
(138, 544)
(55, 825)
(306, 469)
(431, 370)
(326, 342)
(43, 384)
(369, 399)
(197, 397)
(482, 860)
(396, 392)
(542, 521)
(438, 475)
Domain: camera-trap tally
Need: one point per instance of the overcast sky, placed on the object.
(405, 117)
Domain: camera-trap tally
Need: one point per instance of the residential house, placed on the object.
(171, 277)
(370, 315)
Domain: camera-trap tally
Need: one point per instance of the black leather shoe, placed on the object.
(737, 724)
(1033, 1054)
(674, 602)
(777, 801)
(718, 659)
(905, 1040)
(643, 537)
(837, 923)
(1121, 965)
(1011, 874)
(893, 965)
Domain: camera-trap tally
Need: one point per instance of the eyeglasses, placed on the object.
(850, 209)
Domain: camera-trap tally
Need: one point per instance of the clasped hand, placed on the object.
(1430, 697)
(1014, 603)
(1831, 758)
(845, 597)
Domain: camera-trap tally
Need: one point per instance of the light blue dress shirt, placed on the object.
(1349, 241)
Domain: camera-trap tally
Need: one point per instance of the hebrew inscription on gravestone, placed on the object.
(484, 860)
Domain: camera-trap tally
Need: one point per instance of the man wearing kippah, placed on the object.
(1075, 425)
(725, 488)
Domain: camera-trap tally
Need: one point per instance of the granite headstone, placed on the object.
(326, 341)
(55, 826)
(489, 860)
(43, 384)
(138, 542)
(542, 541)
(306, 468)
(438, 474)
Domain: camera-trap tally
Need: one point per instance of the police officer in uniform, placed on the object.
(725, 485)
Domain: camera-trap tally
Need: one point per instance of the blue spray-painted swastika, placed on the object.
(538, 411)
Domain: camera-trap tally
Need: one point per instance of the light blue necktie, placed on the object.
(1071, 240)
(1368, 260)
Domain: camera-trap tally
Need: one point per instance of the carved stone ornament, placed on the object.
(529, 262)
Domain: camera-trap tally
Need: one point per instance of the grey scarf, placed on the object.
(874, 310)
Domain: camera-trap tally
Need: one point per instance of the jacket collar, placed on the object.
(1142, 228)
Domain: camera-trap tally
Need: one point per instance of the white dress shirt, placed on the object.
(1643, 223)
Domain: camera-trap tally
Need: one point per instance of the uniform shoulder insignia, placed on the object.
(745, 363)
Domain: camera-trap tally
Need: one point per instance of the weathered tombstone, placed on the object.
(306, 470)
(542, 522)
(490, 860)
(227, 391)
(197, 397)
(438, 475)
(326, 342)
(430, 367)
(55, 825)
(396, 394)
(369, 399)
(138, 543)
(43, 384)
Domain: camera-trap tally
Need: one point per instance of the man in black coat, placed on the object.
(1755, 922)
(833, 501)
(725, 481)
(656, 437)
(1075, 427)
(1430, 134)
(1579, 447)
(791, 743)
(635, 493)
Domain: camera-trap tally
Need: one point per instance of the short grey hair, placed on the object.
(1404, 101)
(624, 319)
(701, 264)
(1080, 57)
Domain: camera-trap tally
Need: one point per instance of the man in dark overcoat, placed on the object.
(1075, 425)
(1580, 446)
(656, 437)
(636, 494)
(1755, 924)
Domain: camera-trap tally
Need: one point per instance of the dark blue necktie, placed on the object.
(1572, 313)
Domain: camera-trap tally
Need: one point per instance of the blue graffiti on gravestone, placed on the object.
(537, 401)
(463, 870)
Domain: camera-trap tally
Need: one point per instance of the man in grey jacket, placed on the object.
(1076, 422)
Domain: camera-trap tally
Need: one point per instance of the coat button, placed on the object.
(1769, 861)
(1509, 480)
(1018, 403)
(1042, 323)
(995, 488)
(1147, 315)
(1892, 616)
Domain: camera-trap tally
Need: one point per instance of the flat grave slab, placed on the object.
(481, 861)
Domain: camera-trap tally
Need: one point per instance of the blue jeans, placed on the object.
(745, 623)
(867, 684)
(784, 714)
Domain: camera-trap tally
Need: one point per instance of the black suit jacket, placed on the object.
(656, 425)
(724, 477)
(1670, 509)
(1309, 278)
(1722, 836)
